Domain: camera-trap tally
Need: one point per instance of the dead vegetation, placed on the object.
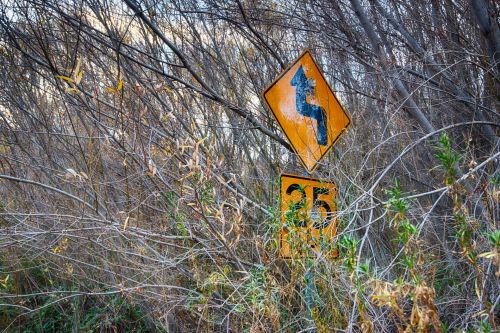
(139, 167)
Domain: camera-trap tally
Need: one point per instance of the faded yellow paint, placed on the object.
(293, 238)
(300, 131)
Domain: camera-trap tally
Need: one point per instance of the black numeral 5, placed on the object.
(317, 203)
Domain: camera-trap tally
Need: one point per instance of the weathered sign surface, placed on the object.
(307, 110)
(307, 220)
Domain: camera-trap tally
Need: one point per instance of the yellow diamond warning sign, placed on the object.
(307, 110)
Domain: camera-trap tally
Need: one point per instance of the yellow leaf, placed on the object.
(65, 78)
(487, 255)
(77, 68)
(125, 224)
(4, 281)
(111, 90)
(120, 85)
(496, 195)
(476, 287)
(201, 141)
(79, 77)
(70, 90)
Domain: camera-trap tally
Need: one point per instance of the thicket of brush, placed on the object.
(139, 167)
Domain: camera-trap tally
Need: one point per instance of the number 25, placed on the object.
(317, 203)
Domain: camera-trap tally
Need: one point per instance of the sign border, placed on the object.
(280, 241)
(334, 142)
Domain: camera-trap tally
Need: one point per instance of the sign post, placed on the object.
(312, 119)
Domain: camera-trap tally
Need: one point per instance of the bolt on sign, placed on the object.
(307, 110)
(307, 206)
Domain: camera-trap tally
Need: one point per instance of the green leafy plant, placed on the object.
(396, 203)
(348, 246)
(448, 158)
(255, 287)
(494, 238)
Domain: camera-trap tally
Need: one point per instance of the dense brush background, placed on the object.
(139, 167)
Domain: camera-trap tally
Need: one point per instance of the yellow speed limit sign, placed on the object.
(307, 216)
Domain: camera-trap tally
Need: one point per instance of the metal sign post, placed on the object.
(312, 120)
